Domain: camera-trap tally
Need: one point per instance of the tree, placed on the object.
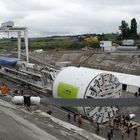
(125, 31)
(92, 41)
(133, 28)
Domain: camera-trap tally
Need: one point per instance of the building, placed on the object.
(127, 45)
(107, 46)
(128, 42)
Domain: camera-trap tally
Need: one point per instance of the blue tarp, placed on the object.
(8, 61)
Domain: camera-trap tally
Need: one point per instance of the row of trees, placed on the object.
(128, 32)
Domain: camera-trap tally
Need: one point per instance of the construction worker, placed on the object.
(108, 135)
(0, 93)
(4, 88)
(122, 135)
(79, 120)
(135, 133)
(69, 116)
(91, 121)
(128, 131)
(74, 116)
(97, 128)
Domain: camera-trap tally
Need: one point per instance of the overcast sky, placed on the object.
(69, 17)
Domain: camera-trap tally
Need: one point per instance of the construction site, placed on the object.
(32, 81)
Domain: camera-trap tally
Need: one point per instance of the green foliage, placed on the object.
(48, 43)
(133, 28)
(92, 41)
(125, 31)
(109, 36)
(7, 44)
(76, 45)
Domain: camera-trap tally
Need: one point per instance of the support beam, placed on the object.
(26, 45)
(19, 45)
(18, 30)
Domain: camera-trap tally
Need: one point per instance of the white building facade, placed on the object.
(106, 46)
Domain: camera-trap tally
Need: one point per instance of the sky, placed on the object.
(69, 17)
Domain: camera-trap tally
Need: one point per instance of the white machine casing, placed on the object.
(80, 82)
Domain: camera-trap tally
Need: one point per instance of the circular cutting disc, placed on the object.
(102, 86)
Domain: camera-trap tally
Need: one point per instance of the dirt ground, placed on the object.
(125, 62)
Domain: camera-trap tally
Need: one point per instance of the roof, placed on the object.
(8, 61)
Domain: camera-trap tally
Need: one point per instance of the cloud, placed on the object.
(65, 17)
